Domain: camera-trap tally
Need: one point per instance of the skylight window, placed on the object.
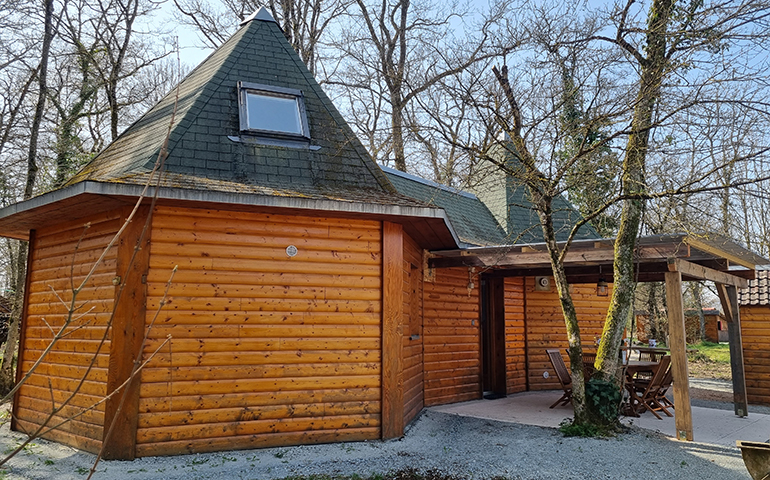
(267, 110)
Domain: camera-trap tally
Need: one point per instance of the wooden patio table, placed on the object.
(636, 366)
(632, 369)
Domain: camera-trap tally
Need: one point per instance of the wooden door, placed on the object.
(493, 373)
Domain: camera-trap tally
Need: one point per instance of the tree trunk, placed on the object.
(32, 167)
(397, 122)
(633, 176)
(579, 406)
(7, 377)
(7, 371)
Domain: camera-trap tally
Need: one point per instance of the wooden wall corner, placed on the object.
(128, 329)
(392, 330)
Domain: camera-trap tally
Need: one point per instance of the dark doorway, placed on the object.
(493, 377)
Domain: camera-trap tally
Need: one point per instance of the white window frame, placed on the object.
(270, 90)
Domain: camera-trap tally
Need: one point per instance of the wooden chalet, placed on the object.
(316, 298)
(755, 331)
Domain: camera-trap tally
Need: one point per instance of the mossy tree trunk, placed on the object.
(653, 69)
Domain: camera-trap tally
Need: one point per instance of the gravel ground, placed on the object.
(465, 447)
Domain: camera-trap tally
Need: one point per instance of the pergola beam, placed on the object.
(700, 272)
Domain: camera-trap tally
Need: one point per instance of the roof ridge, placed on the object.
(197, 104)
(259, 14)
(428, 182)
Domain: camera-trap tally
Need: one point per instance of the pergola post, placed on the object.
(678, 346)
(728, 295)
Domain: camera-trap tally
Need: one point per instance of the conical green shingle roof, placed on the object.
(207, 150)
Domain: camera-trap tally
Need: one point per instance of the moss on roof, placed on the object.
(201, 145)
(474, 223)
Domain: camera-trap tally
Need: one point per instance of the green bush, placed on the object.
(603, 401)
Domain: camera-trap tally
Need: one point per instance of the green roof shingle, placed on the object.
(474, 223)
(203, 142)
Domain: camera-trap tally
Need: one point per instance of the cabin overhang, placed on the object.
(427, 225)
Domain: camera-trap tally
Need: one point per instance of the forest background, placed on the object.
(414, 78)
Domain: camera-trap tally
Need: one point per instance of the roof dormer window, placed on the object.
(266, 110)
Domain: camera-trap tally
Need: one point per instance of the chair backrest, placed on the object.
(668, 379)
(658, 375)
(560, 367)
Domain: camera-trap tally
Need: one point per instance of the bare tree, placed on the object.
(304, 22)
(11, 344)
(52, 115)
(408, 46)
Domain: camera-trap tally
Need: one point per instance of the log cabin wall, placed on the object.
(451, 337)
(62, 255)
(545, 327)
(266, 349)
(515, 336)
(413, 330)
(712, 328)
(755, 334)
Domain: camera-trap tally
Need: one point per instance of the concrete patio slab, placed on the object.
(710, 425)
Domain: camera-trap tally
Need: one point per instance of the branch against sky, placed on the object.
(412, 50)
(305, 23)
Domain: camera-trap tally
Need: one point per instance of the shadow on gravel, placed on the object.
(405, 474)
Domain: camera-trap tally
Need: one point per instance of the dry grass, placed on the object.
(711, 361)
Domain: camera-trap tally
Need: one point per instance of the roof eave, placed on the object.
(732, 258)
(18, 219)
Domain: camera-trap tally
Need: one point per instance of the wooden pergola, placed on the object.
(663, 258)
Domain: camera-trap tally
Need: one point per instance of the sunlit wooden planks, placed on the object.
(545, 327)
(264, 345)
(160, 406)
(412, 364)
(451, 333)
(755, 335)
(392, 330)
(261, 440)
(61, 258)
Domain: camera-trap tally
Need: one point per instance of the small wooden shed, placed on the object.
(755, 330)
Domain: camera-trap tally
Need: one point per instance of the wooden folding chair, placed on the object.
(563, 375)
(662, 402)
(644, 396)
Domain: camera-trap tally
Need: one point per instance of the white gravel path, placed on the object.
(464, 447)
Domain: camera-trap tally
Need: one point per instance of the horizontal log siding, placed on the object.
(451, 338)
(412, 351)
(546, 329)
(67, 364)
(266, 349)
(515, 340)
(755, 334)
